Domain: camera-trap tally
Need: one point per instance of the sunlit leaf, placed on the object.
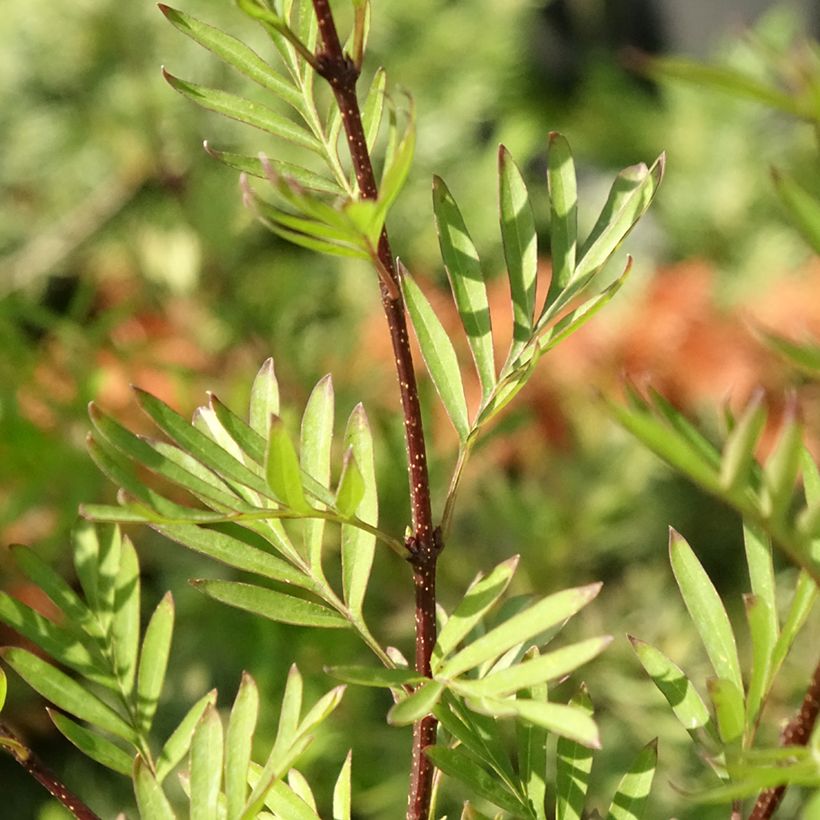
(781, 469)
(482, 593)
(271, 604)
(540, 616)
(729, 708)
(439, 355)
(206, 765)
(467, 282)
(3, 689)
(358, 546)
(706, 610)
(156, 646)
(673, 684)
(563, 214)
(351, 486)
(532, 749)
(289, 712)
(632, 795)
(520, 247)
(125, 626)
(373, 108)
(805, 595)
(238, 742)
(95, 746)
(264, 401)
(375, 676)
(341, 791)
(763, 642)
(416, 706)
(573, 764)
(282, 468)
(739, 449)
(65, 693)
(151, 800)
(761, 574)
(245, 111)
(177, 745)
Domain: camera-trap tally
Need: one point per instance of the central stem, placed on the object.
(424, 545)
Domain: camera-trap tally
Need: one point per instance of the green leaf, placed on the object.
(53, 585)
(673, 684)
(235, 553)
(396, 170)
(238, 742)
(4, 687)
(235, 53)
(520, 247)
(125, 627)
(781, 469)
(301, 788)
(95, 746)
(249, 441)
(532, 750)
(60, 643)
(706, 610)
(416, 706)
(456, 764)
(573, 763)
(805, 594)
(282, 468)
(264, 401)
(358, 546)
(375, 676)
(519, 628)
(439, 355)
(156, 646)
(482, 593)
(254, 166)
(563, 214)
(761, 574)
(206, 766)
(729, 708)
(539, 670)
(270, 604)
(279, 798)
(65, 693)
(245, 111)
(195, 442)
(177, 745)
(739, 450)
(151, 800)
(373, 108)
(289, 712)
(466, 281)
(632, 795)
(763, 642)
(351, 487)
(568, 721)
(341, 791)
(804, 356)
(315, 443)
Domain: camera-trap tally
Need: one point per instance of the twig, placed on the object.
(797, 733)
(424, 545)
(32, 764)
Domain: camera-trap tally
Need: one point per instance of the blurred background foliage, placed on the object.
(126, 257)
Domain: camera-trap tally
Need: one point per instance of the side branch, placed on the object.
(35, 768)
(424, 545)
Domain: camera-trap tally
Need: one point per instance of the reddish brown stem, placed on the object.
(797, 733)
(35, 768)
(424, 545)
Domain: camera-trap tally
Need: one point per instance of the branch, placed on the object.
(797, 733)
(424, 545)
(32, 764)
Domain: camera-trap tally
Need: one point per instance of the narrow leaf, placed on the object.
(206, 766)
(125, 627)
(373, 108)
(729, 708)
(65, 693)
(282, 468)
(548, 612)
(480, 596)
(439, 355)
(238, 743)
(632, 795)
(270, 604)
(245, 111)
(805, 595)
(151, 800)
(92, 745)
(803, 207)
(563, 214)
(264, 401)
(532, 750)
(739, 450)
(177, 745)
(301, 788)
(781, 469)
(466, 281)
(351, 487)
(416, 706)
(289, 713)
(573, 765)
(156, 647)
(763, 643)
(341, 791)
(761, 574)
(375, 676)
(520, 247)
